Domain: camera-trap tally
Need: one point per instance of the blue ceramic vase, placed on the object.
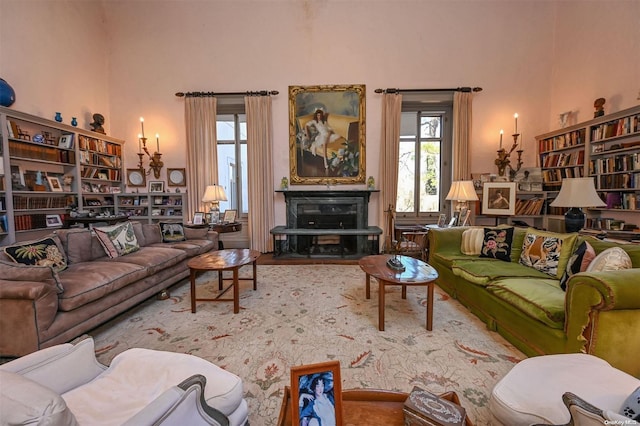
(74, 121)
(7, 95)
(58, 117)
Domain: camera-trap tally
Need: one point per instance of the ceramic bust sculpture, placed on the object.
(98, 121)
(598, 104)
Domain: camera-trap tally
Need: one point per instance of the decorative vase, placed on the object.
(58, 117)
(371, 183)
(284, 183)
(7, 94)
(74, 121)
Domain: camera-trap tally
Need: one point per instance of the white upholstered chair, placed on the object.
(559, 389)
(65, 384)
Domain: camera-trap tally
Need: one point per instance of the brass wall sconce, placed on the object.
(504, 158)
(155, 160)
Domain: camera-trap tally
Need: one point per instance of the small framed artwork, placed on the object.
(156, 186)
(103, 176)
(176, 177)
(499, 198)
(65, 141)
(230, 216)
(135, 177)
(463, 220)
(198, 218)
(53, 220)
(442, 220)
(316, 393)
(454, 219)
(54, 183)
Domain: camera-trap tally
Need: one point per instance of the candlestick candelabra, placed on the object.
(155, 160)
(504, 161)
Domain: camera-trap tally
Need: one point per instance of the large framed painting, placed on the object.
(327, 134)
(499, 198)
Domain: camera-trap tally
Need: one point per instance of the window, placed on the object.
(232, 161)
(424, 169)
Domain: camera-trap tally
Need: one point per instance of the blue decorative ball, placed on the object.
(7, 94)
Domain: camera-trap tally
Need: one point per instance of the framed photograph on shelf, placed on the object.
(156, 186)
(327, 134)
(53, 220)
(54, 184)
(198, 218)
(316, 392)
(463, 220)
(442, 220)
(65, 141)
(230, 216)
(499, 198)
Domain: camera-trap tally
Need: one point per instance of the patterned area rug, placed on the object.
(315, 313)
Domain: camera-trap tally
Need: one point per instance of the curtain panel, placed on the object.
(462, 112)
(202, 150)
(389, 157)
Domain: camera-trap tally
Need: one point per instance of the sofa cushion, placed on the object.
(44, 252)
(482, 272)
(171, 232)
(117, 240)
(24, 401)
(19, 272)
(612, 259)
(578, 262)
(152, 233)
(89, 281)
(497, 243)
(153, 258)
(137, 229)
(191, 247)
(631, 406)
(547, 252)
(539, 298)
(196, 233)
(472, 240)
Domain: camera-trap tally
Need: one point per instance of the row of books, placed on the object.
(21, 202)
(38, 221)
(87, 157)
(529, 207)
(620, 127)
(563, 159)
(619, 163)
(98, 145)
(577, 137)
(39, 152)
(557, 175)
(620, 181)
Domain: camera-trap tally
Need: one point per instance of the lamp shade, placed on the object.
(578, 192)
(214, 193)
(462, 190)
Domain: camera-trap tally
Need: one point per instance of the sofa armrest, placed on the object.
(446, 240)
(27, 307)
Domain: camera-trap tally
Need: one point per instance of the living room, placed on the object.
(127, 59)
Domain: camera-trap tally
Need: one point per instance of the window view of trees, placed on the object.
(232, 161)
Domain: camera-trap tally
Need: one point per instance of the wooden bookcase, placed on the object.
(606, 148)
(151, 207)
(47, 170)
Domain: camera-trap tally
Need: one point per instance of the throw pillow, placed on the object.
(631, 406)
(547, 252)
(45, 252)
(578, 262)
(611, 259)
(496, 243)
(472, 240)
(172, 232)
(117, 240)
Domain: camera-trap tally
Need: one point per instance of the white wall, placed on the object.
(126, 59)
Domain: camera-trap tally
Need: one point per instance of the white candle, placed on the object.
(516, 117)
(139, 143)
(142, 125)
(501, 132)
(157, 142)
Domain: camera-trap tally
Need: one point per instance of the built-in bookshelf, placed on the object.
(49, 168)
(151, 207)
(606, 148)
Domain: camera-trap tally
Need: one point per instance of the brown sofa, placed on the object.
(40, 308)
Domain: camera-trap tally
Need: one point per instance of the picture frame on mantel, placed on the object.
(327, 134)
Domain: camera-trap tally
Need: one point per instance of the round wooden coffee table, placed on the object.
(416, 273)
(223, 260)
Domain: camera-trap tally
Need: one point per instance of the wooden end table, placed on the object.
(416, 272)
(223, 260)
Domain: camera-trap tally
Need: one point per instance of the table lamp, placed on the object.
(576, 193)
(214, 194)
(462, 191)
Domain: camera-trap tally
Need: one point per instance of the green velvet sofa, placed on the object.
(599, 313)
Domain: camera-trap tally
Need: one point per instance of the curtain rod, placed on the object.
(457, 89)
(204, 94)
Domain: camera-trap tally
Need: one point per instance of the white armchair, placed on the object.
(66, 385)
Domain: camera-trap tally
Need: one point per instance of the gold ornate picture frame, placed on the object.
(327, 134)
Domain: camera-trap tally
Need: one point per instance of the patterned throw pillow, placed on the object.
(578, 262)
(611, 259)
(472, 239)
(547, 252)
(172, 232)
(497, 243)
(117, 240)
(631, 406)
(45, 252)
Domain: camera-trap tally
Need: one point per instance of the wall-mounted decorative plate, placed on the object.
(135, 177)
(176, 177)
